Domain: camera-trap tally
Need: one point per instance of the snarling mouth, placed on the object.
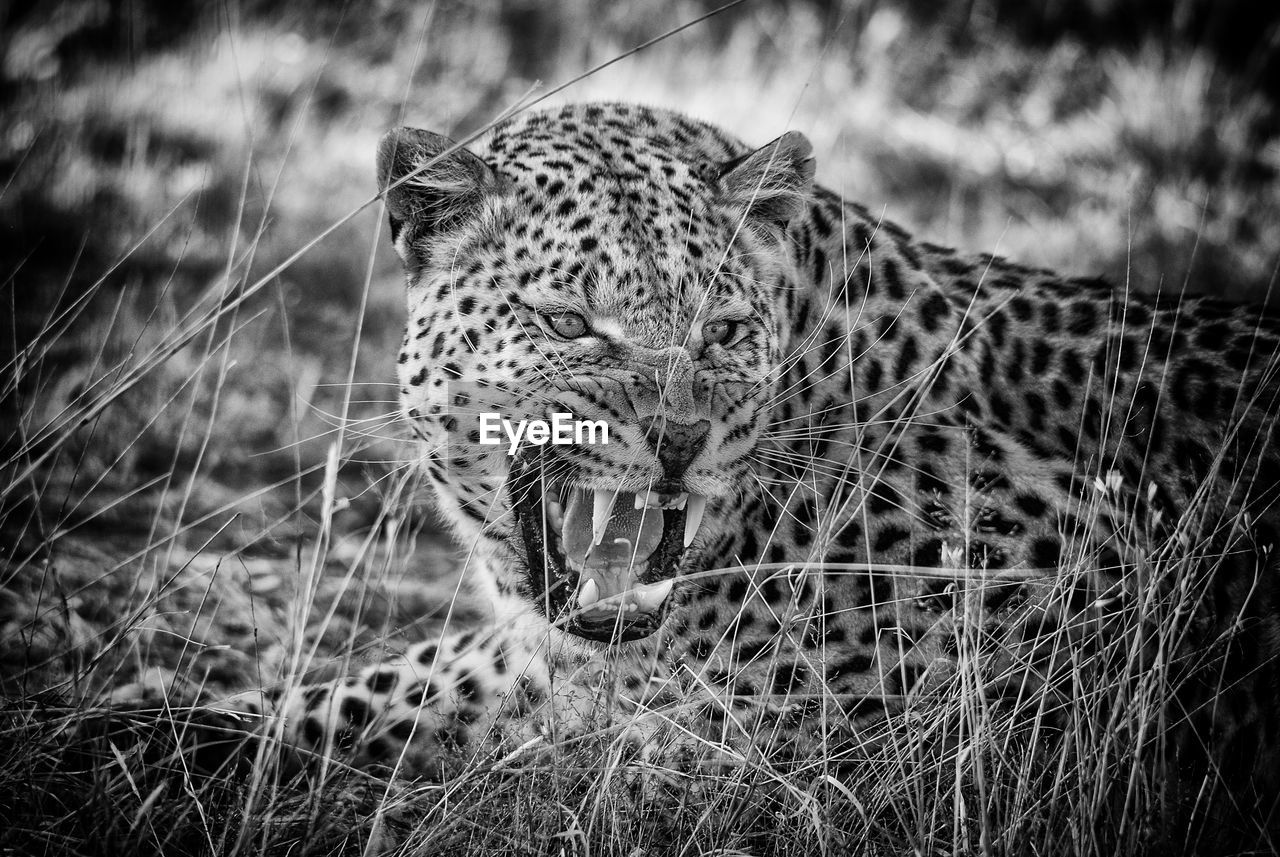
(603, 563)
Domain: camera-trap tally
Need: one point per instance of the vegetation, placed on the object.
(205, 488)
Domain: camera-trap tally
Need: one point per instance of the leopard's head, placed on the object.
(596, 269)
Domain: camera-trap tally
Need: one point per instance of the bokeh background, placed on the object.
(158, 157)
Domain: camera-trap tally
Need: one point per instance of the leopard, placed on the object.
(835, 452)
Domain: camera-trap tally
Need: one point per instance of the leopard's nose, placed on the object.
(675, 444)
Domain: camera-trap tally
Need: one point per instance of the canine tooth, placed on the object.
(693, 517)
(589, 593)
(650, 596)
(602, 507)
(660, 591)
(681, 499)
(555, 512)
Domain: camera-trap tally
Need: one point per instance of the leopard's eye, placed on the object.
(570, 325)
(719, 331)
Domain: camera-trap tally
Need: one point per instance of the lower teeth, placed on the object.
(647, 596)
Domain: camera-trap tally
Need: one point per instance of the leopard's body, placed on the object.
(859, 408)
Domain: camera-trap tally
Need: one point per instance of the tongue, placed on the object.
(631, 533)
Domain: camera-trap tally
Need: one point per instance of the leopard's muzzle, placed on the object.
(602, 563)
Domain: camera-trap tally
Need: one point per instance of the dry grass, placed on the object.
(205, 487)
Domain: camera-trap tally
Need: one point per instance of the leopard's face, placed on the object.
(597, 283)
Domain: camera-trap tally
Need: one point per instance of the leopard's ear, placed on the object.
(431, 184)
(773, 183)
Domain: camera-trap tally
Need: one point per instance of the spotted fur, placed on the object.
(887, 423)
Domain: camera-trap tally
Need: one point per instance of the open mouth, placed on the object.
(603, 563)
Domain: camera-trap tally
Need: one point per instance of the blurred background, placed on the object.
(158, 157)
(1132, 138)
